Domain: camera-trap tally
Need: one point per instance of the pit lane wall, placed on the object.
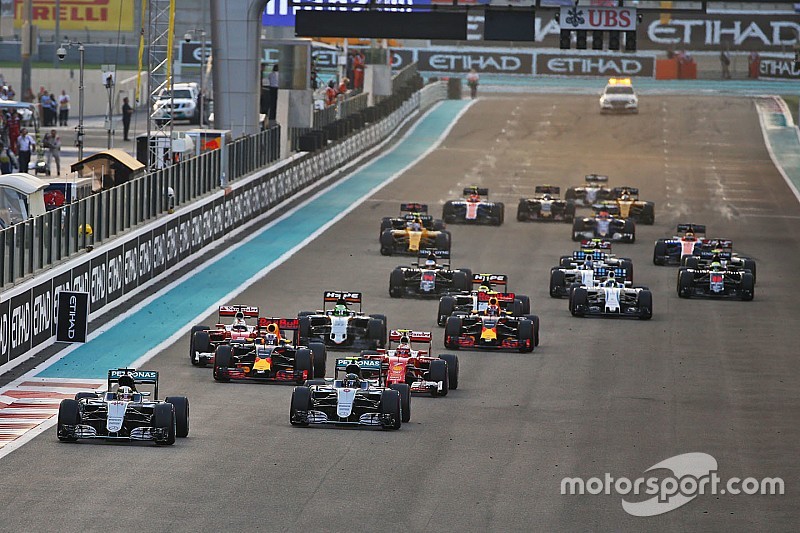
(114, 271)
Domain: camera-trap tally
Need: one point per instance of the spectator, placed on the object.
(52, 146)
(359, 63)
(26, 144)
(11, 93)
(725, 61)
(274, 82)
(4, 93)
(753, 65)
(53, 109)
(330, 93)
(14, 123)
(343, 90)
(44, 100)
(63, 108)
(127, 113)
(7, 160)
(472, 80)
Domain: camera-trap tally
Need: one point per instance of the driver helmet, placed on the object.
(603, 214)
(588, 264)
(625, 196)
(239, 322)
(474, 197)
(493, 309)
(403, 350)
(716, 263)
(340, 309)
(351, 381)
(124, 394)
(415, 225)
(689, 235)
(431, 260)
(611, 280)
(546, 197)
(271, 339)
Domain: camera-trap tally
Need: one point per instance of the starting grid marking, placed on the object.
(29, 406)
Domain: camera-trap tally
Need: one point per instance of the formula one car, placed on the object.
(474, 208)
(410, 213)
(414, 236)
(341, 328)
(604, 226)
(611, 298)
(625, 204)
(492, 329)
(272, 357)
(670, 251)
(123, 412)
(203, 340)
(709, 250)
(545, 205)
(411, 362)
(716, 281)
(589, 274)
(431, 275)
(599, 251)
(593, 191)
(471, 302)
(352, 399)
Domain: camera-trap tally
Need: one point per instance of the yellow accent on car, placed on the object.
(488, 334)
(262, 364)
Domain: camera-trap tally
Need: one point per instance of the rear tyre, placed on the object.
(525, 336)
(387, 242)
(659, 253)
(648, 216)
(535, 320)
(448, 215)
(627, 264)
(386, 223)
(557, 283)
(376, 331)
(223, 356)
(578, 301)
(438, 372)
(685, 279)
(452, 331)
(645, 305)
(391, 405)
(303, 364)
(442, 241)
(320, 358)
(304, 329)
(526, 303)
(164, 419)
(748, 286)
(498, 214)
(439, 225)
(452, 369)
(69, 414)
(462, 280)
(522, 210)
(447, 305)
(690, 261)
(749, 264)
(397, 281)
(82, 395)
(630, 227)
(577, 227)
(198, 343)
(301, 401)
(405, 400)
(569, 213)
(181, 405)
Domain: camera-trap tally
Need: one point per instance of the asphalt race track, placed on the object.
(597, 396)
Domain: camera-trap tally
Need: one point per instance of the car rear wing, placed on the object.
(368, 368)
(619, 273)
(631, 191)
(130, 377)
(341, 296)
(710, 254)
(410, 335)
(723, 244)
(502, 297)
(547, 189)
(443, 255)
(596, 244)
(278, 326)
(490, 280)
(595, 255)
(610, 207)
(231, 311)
(697, 229)
(481, 191)
(411, 217)
(595, 178)
(413, 208)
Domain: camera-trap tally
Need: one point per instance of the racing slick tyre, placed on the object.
(164, 418)
(690, 261)
(438, 372)
(685, 279)
(304, 329)
(199, 342)
(448, 214)
(69, 414)
(522, 210)
(630, 227)
(569, 213)
(517, 307)
(391, 404)
(565, 261)
(397, 282)
(535, 320)
(405, 400)
(748, 286)
(498, 213)
(527, 342)
(82, 395)
(526, 303)
(644, 302)
(382, 318)
(443, 241)
(452, 331)
(301, 401)
(627, 264)
(452, 369)
(749, 264)
(648, 215)
(222, 361)
(386, 223)
(376, 331)
(557, 282)
(446, 306)
(181, 405)
(462, 280)
(439, 225)
(570, 195)
(577, 226)
(305, 313)
(387, 242)
(320, 358)
(578, 301)
(660, 252)
(303, 361)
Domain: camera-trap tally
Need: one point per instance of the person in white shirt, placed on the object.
(63, 108)
(26, 144)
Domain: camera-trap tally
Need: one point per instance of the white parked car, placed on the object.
(181, 103)
(619, 97)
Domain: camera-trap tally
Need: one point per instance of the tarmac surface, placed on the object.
(597, 396)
